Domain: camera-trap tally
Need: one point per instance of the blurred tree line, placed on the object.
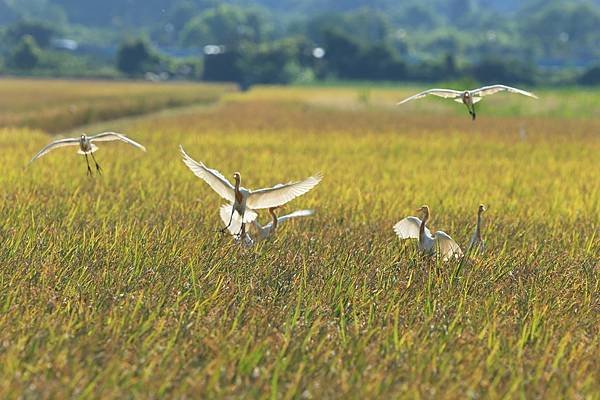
(284, 41)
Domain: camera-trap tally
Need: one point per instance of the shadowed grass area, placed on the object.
(57, 105)
(119, 286)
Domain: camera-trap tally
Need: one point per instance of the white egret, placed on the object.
(414, 228)
(244, 201)
(468, 97)
(87, 146)
(476, 244)
(262, 232)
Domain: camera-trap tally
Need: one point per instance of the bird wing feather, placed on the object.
(487, 90)
(55, 145)
(112, 136)
(212, 177)
(445, 93)
(281, 194)
(295, 214)
(447, 246)
(408, 228)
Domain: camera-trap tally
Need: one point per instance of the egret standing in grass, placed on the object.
(87, 146)
(262, 232)
(477, 244)
(414, 228)
(468, 97)
(244, 201)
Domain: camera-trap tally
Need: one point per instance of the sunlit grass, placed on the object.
(119, 285)
(57, 105)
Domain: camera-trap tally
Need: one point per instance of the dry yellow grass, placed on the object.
(119, 286)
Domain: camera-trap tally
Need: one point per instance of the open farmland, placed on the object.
(56, 105)
(120, 286)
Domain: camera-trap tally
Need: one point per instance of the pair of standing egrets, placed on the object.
(441, 242)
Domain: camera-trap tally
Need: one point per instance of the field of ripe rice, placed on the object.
(57, 105)
(119, 285)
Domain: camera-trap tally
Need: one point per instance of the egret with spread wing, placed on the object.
(262, 232)
(477, 245)
(87, 146)
(244, 201)
(414, 228)
(468, 97)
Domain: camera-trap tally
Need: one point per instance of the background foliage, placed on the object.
(532, 41)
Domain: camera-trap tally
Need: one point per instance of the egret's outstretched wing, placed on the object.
(445, 93)
(55, 145)
(295, 214)
(408, 228)
(111, 136)
(212, 177)
(281, 194)
(447, 246)
(487, 90)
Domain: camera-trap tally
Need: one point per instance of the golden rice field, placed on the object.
(119, 286)
(57, 105)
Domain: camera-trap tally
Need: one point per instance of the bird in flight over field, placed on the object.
(414, 228)
(87, 146)
(262, 232)
(244, 201)
(477, 244)
(468, 97)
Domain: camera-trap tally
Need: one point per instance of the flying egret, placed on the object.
(477, 244)
(414, 228)
(244, 201)
(263, 232)
(468, 97)
(87, 146)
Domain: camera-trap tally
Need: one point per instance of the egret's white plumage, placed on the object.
(114, 136)
(243, 201)
(87, 145)
(262, 232)
(477, 244)
(468, 97)
(414, 228)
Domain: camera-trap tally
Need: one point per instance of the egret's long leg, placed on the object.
(473, 115)
(242, 229)
(230, 221)
(89, 170)
(469, 110)
(97, 165)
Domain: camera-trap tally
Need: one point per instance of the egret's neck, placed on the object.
(478, 230)
(238, 194)
(274, 216)
(422, 227)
